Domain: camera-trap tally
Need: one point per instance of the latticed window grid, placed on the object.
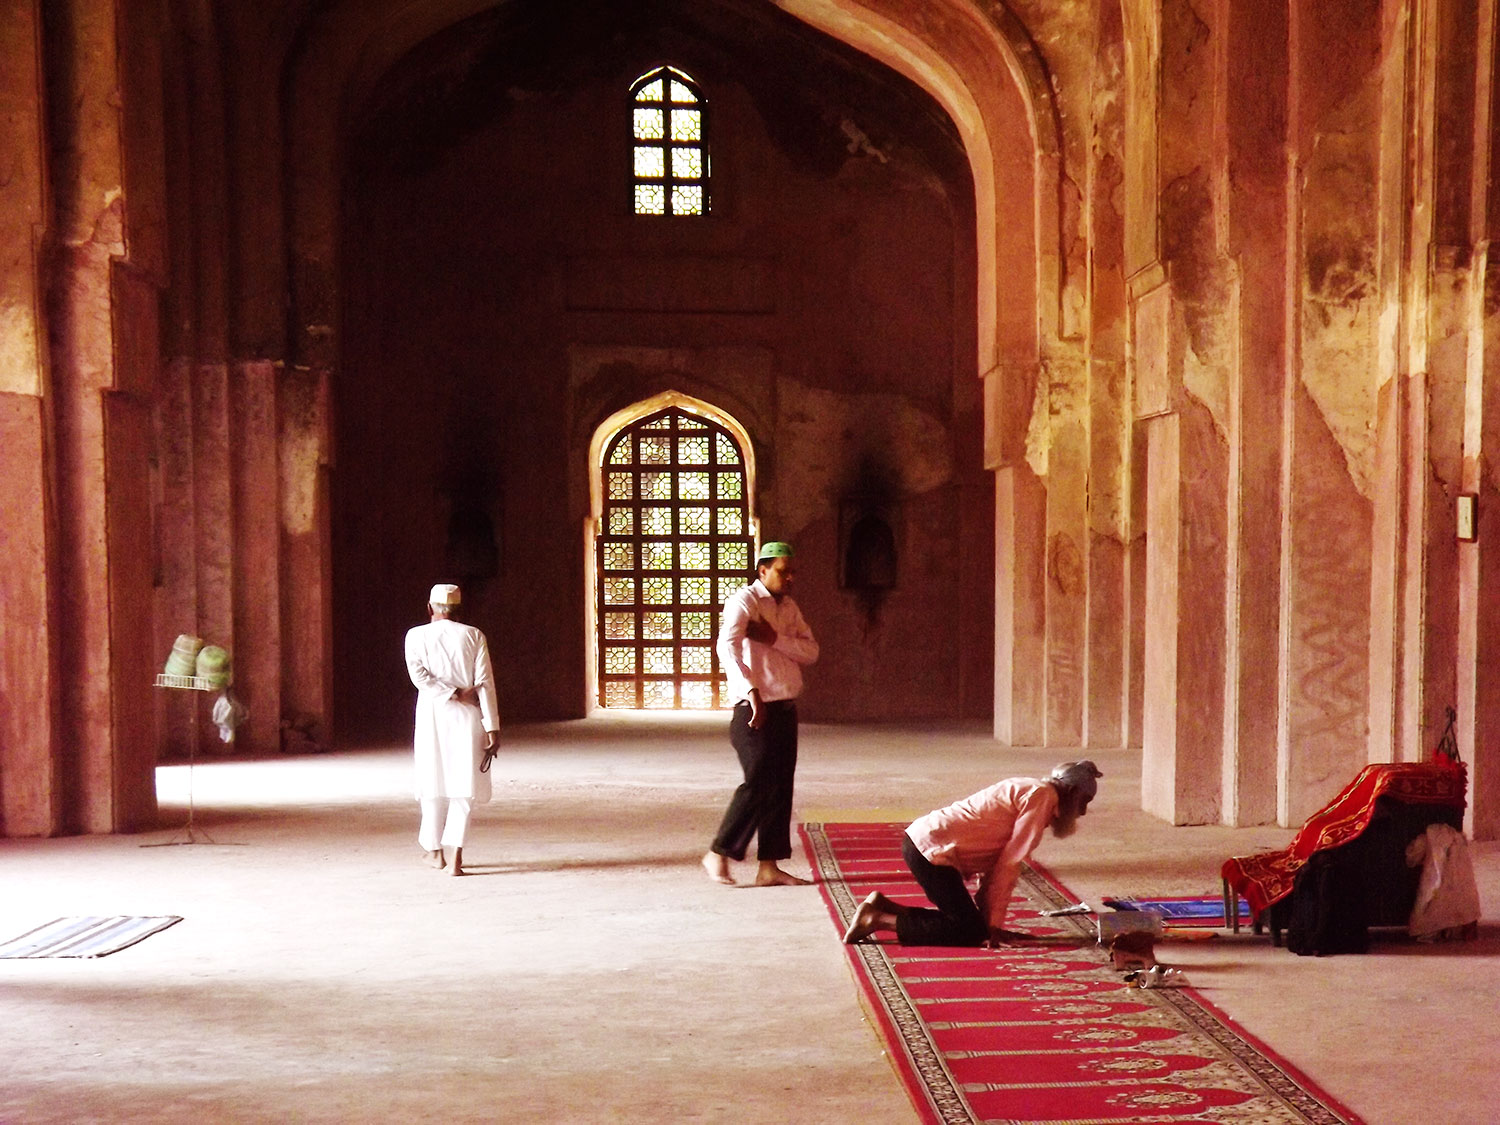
(670, 165)
(675, 542)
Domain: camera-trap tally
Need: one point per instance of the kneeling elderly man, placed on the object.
(989, 834)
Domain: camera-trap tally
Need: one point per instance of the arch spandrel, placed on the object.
(1008, 124)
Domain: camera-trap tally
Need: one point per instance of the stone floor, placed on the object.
(586, 970)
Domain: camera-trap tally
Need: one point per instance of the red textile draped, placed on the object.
(1266, 877)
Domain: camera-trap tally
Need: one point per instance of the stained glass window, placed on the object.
(675, 544)
(668, 126)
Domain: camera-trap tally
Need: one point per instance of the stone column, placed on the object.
(1020, 600)
(1479, 567)
(1067, 542)
(256, 587)
(1330, 403)
(1020, 558)
(305, 589)
(1185, 541)
(1478, 647)
(1255, 129)
(28, 566)
(100, 380)
(1105, 722)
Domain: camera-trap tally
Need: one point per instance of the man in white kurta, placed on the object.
(457, 724)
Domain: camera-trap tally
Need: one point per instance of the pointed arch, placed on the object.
(671, 533)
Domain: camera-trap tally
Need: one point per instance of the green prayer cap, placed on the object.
(774, 551)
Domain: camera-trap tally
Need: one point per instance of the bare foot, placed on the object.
(885, 905)
(717, 867)
(458, 862)
(435, 859)
(770, 875)
(867, 919)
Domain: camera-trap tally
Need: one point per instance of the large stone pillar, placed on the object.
(1067, 544)
(256, 586)
(214, 554)
(304, 399)
(1479, 568)
(100, 377)
(1020, 601)
(1478, 647)
(1185, 544)
(1109, 411)
(1255, 126)
(305, 582)
(1020, 558)
(28, 651)
(1329, 405)
(176, 600)
(29, 645)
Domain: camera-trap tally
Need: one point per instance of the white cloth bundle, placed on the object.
(1447, 895)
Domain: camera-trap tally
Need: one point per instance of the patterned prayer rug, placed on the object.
(1045, 1032)
(85, 937)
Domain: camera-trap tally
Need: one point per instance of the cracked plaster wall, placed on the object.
(1340, 305)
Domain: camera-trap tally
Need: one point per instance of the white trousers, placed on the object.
(455, 826)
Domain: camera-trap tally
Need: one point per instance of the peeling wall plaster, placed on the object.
(19, 370)
(1339, 279)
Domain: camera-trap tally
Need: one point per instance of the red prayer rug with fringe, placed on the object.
(1045, 1032)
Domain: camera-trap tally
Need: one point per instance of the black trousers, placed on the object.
(956, 921)
(762, 805)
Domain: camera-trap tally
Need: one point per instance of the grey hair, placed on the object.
(1077, 776)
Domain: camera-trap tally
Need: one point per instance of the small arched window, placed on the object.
(670, 153)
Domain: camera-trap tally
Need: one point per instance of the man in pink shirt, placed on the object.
(763, 644)
(988, 834)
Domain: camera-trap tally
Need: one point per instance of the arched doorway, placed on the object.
(674, 535)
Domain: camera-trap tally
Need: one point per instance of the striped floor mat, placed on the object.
(93, 936)
(1045, 1032)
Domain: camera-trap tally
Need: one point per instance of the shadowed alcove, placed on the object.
(502, 298)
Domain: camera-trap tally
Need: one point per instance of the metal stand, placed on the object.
(194, 835)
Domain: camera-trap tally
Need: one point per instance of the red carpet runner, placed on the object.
(1048, 1032)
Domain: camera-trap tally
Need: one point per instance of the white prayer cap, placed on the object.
(444, 593)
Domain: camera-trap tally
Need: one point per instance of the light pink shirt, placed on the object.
(989, 834)
(775, 670)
